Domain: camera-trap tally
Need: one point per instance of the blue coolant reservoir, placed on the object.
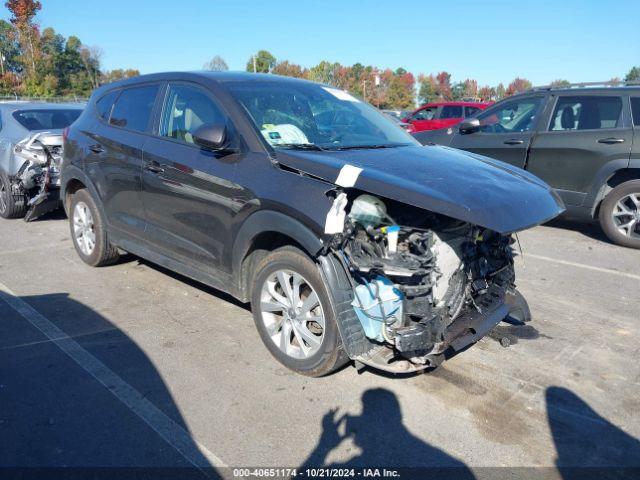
(374, 311)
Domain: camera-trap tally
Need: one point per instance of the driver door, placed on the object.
(423, 119)
(506, 130)
(187, 191)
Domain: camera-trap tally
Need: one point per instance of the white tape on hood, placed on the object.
(335, 217)
(348, 176)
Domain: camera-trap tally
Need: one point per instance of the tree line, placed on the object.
(43, 63)
(392, 89)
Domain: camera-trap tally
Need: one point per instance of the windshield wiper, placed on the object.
(367, 147)
(299, 146)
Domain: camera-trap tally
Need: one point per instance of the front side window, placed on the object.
(451, 111)
(186, 109)
(428, 113)
(306, 115)
(134, 107)
(586, 113)
(45, 119)
(510, 116)
(468, 111)
(635, 110)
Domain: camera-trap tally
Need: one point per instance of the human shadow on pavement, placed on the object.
(90, 405)
(588, 445)
(384, 442)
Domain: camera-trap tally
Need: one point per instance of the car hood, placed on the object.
(459, 184)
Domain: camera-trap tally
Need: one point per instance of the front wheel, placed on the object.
(293, 313)
(620, 214)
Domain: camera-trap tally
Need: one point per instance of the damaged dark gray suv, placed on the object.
(350, 240)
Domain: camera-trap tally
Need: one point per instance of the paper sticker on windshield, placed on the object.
(348, 176)
(341, 94)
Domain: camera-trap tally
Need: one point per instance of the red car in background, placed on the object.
(434, 116)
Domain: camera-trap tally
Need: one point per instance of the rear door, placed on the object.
(582, 135)
(188, 192)
(506, 130)
(114, 158)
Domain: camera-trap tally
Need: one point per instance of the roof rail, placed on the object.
(608, 83)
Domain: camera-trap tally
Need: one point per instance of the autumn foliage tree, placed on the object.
(23, 13)
(518, 85)
(43, 63)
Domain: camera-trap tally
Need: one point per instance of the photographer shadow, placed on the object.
(588, 445)
(383, 440)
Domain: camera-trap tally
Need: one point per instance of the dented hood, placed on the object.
(459, 184)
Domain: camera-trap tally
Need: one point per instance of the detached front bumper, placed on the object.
(46, 201)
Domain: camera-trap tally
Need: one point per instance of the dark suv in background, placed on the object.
(584, 142)
(308, 203)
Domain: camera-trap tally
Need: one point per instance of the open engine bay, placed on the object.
(423, 284)
(37, 180)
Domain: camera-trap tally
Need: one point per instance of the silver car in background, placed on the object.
(30, 155)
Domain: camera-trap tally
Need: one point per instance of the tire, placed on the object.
(11, 206)
(316, 358)
(89, 236)
(614, 214)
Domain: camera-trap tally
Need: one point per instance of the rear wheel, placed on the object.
(11, 206)
(293, 313)
(620, 214)
(88, 231)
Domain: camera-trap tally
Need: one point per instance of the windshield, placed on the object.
(54, 119)
(301, 115)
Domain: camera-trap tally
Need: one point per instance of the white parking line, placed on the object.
(582, 265)
(169, 430)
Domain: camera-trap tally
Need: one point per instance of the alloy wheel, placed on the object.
(626, 215)
(83, 228)
(292, 314)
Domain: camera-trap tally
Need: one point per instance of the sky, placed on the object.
(491, 41)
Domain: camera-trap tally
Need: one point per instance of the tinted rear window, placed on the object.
(53, 119)
(635, 108)
(586, 113)
(133, 108)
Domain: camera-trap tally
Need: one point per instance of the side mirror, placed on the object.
(470, 125)
(212, 136)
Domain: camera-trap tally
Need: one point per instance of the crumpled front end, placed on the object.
(423, 285)
(38, 178)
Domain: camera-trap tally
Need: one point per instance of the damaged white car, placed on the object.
(350, 240)
(30, 156)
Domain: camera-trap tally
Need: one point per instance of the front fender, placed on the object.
(264, 221)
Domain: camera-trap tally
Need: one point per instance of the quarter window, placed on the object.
(134, 107)
(451, 111)
(635, 109)
(187, 109)
(586, 113)
(104, 104)
(510, 116)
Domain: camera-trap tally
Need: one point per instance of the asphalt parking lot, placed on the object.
(131, 365)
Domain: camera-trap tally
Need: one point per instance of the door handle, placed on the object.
(514, 141)
(96, 148)
(611, 140)
(153, 167)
